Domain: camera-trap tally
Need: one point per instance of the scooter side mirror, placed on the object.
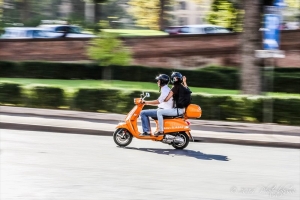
(147, 94)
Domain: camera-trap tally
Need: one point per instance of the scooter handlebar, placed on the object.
(137, 100)
(140, 100)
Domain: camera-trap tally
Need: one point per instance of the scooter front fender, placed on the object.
(122, 125)
(126, 126)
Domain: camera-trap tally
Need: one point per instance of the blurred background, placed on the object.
(68, 54)
(135, 14)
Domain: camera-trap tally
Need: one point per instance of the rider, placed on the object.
(177, 79)
(162, 82)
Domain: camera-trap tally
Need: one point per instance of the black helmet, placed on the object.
(164, 79)
(176, 75)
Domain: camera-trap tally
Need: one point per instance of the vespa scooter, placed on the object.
(176, 129)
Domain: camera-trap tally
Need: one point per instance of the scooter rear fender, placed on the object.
(190, 135)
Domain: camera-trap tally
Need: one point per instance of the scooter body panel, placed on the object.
(174, 125)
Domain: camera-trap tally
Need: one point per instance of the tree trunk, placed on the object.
(107, 73)
(97, 12)
(24, 11)
(251, 36)
(161, 14)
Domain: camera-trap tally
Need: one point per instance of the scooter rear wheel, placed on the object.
(185, 142)
(122, 137)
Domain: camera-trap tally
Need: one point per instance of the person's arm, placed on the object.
(160, 99)
(151, 103)
(169, 96)
(184, 82)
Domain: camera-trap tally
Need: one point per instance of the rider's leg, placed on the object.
(145, 114)
(167, 112)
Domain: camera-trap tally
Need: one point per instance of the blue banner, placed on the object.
(279, 3)
(272, 21)
(271, 31)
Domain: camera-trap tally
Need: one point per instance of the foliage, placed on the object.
(108, 50)
(1, 16)
(104, 24)
(224, 13)
(293, 3)
(30, 12)
(226, 108)
(10, 93)
(291, 11)
(1, 8)
(95, 1)
(98, 99)
(112, 12)
(285, 79)
(146, 13)
(47, 70)
(154, 14)
(46, 97)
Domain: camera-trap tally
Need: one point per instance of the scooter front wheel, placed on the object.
(181, 140)
(122, 137)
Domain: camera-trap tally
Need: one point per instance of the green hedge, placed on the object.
(10, 93)
(49, 70)
(233, 108)
(286, 111)
(46, 97)
(285, 79)
(289, 84)
(104, 100)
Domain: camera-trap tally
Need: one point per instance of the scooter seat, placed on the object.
(169, 117)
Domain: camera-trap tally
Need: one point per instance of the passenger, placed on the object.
(178, 81)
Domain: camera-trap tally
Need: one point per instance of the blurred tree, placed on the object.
(30, 12)
(1, 8)
(24, 7)
(112, 12)
(250, 38)
(293, 3)
(152, 14)
(108, 50)
(104, 24)
(296, 5)
(17, 11)
(250, 41)
(1, 17)
(97, 8)
(146, 13)
(77, 15)
(225, 13)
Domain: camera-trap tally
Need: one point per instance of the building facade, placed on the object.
(188, 12)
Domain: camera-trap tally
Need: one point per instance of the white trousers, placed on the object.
(167, 112)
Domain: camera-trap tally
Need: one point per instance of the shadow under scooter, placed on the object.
(188, 153)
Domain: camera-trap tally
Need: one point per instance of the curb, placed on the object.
(115, 118)
(29, 127)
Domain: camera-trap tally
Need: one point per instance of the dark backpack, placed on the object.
(184, 97)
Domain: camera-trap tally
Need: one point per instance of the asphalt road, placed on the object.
(57, 166)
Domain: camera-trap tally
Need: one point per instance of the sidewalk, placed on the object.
(66, 121)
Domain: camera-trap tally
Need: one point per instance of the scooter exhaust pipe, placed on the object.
(171, 138)
(178, 140)
(168, 139)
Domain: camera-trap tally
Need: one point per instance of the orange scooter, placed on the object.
(176, 129)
